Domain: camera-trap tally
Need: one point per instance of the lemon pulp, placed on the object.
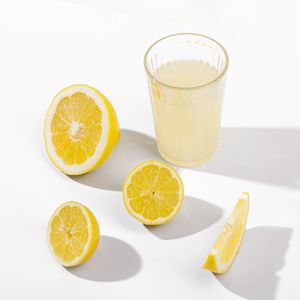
(73, 234)
(81, 129)
(153, 193)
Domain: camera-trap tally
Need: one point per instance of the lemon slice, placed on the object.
(229, 241)
(73, 234)
(153, 193)
(81, 129)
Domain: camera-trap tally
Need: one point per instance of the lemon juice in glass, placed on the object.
(186, 77)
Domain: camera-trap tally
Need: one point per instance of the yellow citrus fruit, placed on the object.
(229, 241)
(81, 129)
(73, 234)
(153, 193)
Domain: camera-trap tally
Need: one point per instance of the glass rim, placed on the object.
(220, 75)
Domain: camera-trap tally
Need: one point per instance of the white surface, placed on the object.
(46, 46)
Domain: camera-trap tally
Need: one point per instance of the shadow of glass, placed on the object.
(259, 154)
(132, 149)
(253, 274)
(194, 216)
(114, 260)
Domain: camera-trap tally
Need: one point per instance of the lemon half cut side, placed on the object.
(73, 234)
(153, 193)
(81, 129)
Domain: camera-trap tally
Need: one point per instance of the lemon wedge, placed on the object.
(81, 129)
(229, 241)
(153, 193)
(73, 234)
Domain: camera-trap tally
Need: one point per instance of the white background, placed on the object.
(47, 45)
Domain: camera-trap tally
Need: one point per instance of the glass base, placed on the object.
(187, 164)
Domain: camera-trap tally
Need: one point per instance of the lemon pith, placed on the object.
(230, 239)
(81, 129)
(73, 234)
(153, 193)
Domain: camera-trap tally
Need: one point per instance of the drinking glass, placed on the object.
(186, 74)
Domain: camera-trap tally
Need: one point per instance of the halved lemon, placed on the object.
(81, 129)
(153, 193)
(229, 241)
(73, 234)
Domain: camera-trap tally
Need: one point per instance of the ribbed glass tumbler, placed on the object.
(186, 76)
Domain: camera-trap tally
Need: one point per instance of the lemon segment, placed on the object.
(81, 129)
(73, 234)
(229, 241)
(153, 193)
